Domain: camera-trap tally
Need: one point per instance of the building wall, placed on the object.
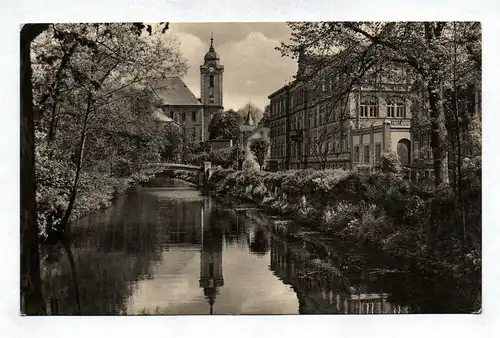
(279, 129)
(307, 112)
(192, 118)
(396, 136)
(217, 89)
(377, 139)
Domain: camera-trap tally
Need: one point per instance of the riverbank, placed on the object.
(382, 211)
(96, 192)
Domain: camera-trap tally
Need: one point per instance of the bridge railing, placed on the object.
(175, 166)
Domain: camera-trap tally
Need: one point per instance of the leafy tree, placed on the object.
(390, 163)
(259, 148)
(108, 61)
(265, 117)
(76, 73)
(426, 48)
(224, 125)
(172, 146)
(227, 157)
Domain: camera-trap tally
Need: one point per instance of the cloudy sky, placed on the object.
(253, 69)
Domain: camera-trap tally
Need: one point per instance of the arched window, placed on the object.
(211, 80)
(395, 107)
(369, 107)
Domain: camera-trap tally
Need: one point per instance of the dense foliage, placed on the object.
(94, 85)
(380, 210)
(224, 125)
(259, 148)
(438, 58)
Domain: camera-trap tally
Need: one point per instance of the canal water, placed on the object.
(166, 249)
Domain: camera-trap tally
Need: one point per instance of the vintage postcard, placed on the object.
(319, 167)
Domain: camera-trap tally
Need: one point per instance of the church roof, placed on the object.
(174, 92)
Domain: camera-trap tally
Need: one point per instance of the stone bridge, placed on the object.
(205, 171)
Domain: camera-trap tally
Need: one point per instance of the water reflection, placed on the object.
(211, 277)
(166, 249)
(320, 288)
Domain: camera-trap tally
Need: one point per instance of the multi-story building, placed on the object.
(181, 105)
(321, 122)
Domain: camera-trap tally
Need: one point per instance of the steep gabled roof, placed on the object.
(249, 120)
(174, 92)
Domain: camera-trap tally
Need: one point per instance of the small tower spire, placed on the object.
(211, 41)
(249, 120)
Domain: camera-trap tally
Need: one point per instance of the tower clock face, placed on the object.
(211, 69)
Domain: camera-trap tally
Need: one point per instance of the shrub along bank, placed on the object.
(184, 175)
(380, 210)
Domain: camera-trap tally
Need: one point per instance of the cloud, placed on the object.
(253, 69)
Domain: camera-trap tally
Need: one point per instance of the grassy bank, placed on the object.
(96, 192)
(382, 211)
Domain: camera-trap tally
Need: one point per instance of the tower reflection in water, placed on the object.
(321, 291)
(211, 278)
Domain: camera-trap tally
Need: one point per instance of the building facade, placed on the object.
(181, 105)
(313, 126)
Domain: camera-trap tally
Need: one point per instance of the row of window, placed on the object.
(333, 146)
(296, 121)
(297, 99)
(278, 128)
(278, 149)
(366, 153)
(327, 84)
(277, 107)
(323, 114)
(369, 107)
(182, 116)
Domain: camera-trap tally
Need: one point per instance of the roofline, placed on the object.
(182, 105)
(285, 87)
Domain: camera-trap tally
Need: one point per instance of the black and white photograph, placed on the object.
(217, 168)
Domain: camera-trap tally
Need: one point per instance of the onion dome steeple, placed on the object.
(212, 55)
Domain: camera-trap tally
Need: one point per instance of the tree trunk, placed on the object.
(32, 302)
(439, 133)
(52, 126)
(74, 190)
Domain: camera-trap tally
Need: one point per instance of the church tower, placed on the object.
(211, 278)
(211, 81)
